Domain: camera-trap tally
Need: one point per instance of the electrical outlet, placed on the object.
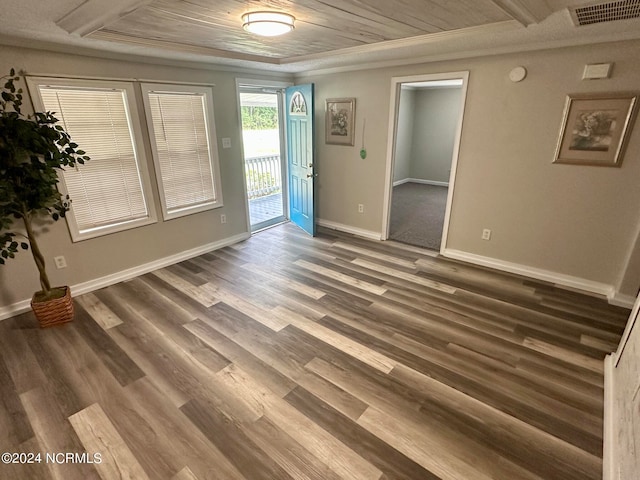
(486, 234)
(60, 262)
(226, 142)
(360, 208)
(223, 218)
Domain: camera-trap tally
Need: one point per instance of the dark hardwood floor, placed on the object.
(328, 358)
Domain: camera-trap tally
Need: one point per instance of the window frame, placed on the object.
(214, 158)
(137, 139)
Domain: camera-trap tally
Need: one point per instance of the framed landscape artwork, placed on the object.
(595, 129)
(340, 121)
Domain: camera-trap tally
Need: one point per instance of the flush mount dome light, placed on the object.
(267, 24)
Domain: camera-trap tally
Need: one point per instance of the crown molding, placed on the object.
(495, 39)
(406, 43)
(491, 50)
(108, 36)
(410, 42)
(241, 68)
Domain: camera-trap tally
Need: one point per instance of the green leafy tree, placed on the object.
(33, 149)
(259, 118)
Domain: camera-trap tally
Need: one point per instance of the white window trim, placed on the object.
(33, 84)
(214, 158)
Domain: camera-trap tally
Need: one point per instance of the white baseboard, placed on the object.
(420, 180)
(95, 284)
(429, 182)
(621, 300)
(349, 229)
(15, 309)
(532, 272)
(609, 437)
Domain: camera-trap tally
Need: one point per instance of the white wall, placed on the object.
(628, 283)
(622, 405)
(437, 111)
(108, 255)
(573, 221)
(576, 221)
(404, 142)
(427, 121)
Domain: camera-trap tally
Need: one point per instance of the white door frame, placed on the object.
(396, 83)
(276, 85)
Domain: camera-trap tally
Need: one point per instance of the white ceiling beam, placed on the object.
(93, 15)
(526, 12)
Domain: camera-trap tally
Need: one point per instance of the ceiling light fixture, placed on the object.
(267, 24)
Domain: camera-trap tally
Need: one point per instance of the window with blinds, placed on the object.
(107, 192)
(183, 140)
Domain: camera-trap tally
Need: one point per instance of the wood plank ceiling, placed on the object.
(321, 25)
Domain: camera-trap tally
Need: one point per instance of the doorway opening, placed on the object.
(264, 160)
(425, 128)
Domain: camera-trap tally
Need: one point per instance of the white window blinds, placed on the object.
(107, 192)
(180, 121)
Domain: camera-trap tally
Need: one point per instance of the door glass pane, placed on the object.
(263, 167)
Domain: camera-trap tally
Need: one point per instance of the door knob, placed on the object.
(309, 175)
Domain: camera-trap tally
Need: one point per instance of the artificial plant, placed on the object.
(33, 150)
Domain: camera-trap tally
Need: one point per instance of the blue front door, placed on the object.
(299, 118)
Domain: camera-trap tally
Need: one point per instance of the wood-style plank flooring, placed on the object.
(288, 357)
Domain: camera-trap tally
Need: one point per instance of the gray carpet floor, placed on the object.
(417, 214)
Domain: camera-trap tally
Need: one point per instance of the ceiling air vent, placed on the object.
(606, 12)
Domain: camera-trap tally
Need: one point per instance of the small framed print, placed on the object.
(595, 129)
(340, 121)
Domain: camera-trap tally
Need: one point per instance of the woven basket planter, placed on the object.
(54, 312)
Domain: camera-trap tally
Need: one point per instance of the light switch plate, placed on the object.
(226, 142)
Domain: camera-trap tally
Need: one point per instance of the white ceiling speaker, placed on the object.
(517, 74)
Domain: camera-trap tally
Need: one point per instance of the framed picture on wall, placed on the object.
(340, 121)
(595, 129)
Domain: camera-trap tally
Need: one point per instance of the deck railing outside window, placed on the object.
(263, 175)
